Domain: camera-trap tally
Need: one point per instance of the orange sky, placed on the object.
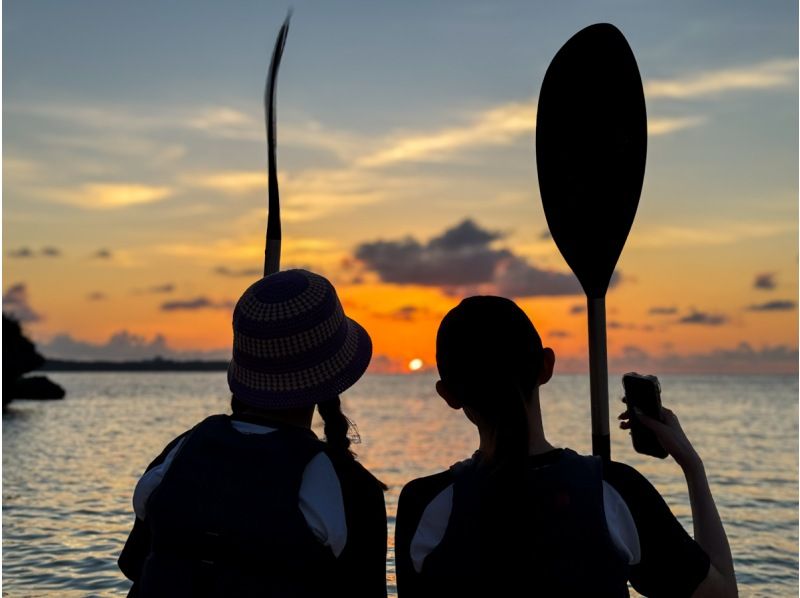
(134, 183)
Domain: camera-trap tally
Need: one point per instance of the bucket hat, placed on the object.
(293, 346)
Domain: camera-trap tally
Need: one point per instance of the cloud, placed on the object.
(703, 318)
(307, 195)
(27, 252)
(407, 312)
(742, 359)
(496, 125)
(666, 125)
(663, 311)
(96, 296)
(242, 272)
(102, 254)
(22, 252)
(505, 123)
(559, 334)
(122, 346)
(764, 281)
(15, 303)
(723, 233)
(231, 182)
(771, 74)
(195, 304)
(577, 309)
(774, 306)
(162, 288)
(462, 261)
(105, 196)
(219, 119)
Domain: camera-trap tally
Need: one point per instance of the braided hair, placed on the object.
(337, 428)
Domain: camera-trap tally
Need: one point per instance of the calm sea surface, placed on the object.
(69, 467)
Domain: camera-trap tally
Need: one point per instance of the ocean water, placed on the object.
(69, 467)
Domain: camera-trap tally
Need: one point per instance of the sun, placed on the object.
(415, 364)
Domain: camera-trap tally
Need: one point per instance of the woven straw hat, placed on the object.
(292, 344)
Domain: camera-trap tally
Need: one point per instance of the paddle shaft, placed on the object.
(598, 376)
(272, 246)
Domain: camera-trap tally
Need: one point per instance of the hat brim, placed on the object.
(308, 386)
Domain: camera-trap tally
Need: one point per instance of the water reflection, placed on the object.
(69, 467)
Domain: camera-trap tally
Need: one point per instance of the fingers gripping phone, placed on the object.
(644, 393)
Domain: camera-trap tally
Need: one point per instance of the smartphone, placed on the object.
(644, 392)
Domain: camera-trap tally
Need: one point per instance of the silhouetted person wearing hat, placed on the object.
(522, 517)
(253, 504)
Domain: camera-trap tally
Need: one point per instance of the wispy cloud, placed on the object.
(102, 254)
(195, 304)
(771, 74)
(496, 125)
(241, 272)
(22, 252)
(663, 311)
(764, 281)
(109, 196)
(162, 288)
(232, 182)
(315, 194)
(778, 305)
(664, 125)
(703, 319)
(129, 145)
(723, 233)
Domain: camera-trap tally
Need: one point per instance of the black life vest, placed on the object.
(554, 543)
(225, 520)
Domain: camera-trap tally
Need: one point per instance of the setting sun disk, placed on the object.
(415, 364)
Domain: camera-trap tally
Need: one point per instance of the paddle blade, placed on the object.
(591, 145)
(272, 250)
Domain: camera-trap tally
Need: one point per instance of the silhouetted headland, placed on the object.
(19, 358)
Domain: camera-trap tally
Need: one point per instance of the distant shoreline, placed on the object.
(145, 365)
(159, 364)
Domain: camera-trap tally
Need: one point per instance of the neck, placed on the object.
(537, 442)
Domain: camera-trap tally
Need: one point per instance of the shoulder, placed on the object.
(634, 488)
(622, 472)
(415, 498)
(352, 474)
(421, 491)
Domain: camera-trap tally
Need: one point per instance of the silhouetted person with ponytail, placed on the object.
(252, 503)
(523, 518)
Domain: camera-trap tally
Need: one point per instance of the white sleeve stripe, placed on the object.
(432, 527)
(322, 504)
(621, 525)
(150, 481)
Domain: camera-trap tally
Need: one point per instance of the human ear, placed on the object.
(447, 395)
(548, 363)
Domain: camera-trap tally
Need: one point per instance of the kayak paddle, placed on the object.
(591, 145)
(272, 249)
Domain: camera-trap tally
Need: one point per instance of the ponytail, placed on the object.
(337, 426)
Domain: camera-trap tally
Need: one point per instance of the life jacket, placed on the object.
(554, 543)
(226, 521)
